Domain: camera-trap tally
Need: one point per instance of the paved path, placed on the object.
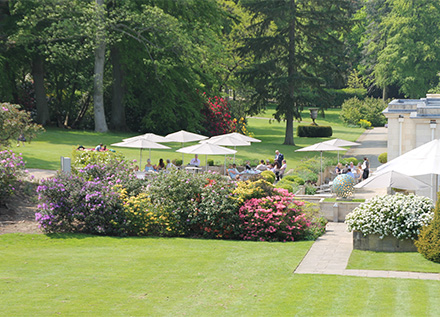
(373, 143)
(331, 252)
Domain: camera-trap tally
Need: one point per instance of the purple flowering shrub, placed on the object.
(200, 205)
(273, 218)
(11, 167)
(89, 201)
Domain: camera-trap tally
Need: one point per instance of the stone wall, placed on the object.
(372, 242)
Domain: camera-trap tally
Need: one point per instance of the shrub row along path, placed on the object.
(331, 252)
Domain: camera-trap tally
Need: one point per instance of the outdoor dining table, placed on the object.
(245, 175)
(193, 169)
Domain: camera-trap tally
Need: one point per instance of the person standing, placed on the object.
(365, 168)
(195, 161)
(279, 157)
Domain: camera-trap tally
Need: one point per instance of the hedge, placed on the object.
(314, 131)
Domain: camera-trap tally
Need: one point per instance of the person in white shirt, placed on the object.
(262, 166)
(195, 161)
(170, 165)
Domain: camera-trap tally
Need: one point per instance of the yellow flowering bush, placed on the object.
(249, 189)
(146, 219)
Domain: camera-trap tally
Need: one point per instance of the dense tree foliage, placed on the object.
(295, 49)
(141, 65)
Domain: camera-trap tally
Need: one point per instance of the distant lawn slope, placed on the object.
(45, 151)
(79, 275)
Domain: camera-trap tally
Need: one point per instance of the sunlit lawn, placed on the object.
(79, 275)
(395, 261)
(45, 151)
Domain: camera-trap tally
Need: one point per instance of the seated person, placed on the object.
(170, 165)
(282, 169)
(136, 168)
(349, 172)
(276, 169)
(248, 166)
(195, 161)
(262, 166)
(160, 166)
(345, 169)
(99, 147)
(149, 167)
(338, 169)
(233, 172)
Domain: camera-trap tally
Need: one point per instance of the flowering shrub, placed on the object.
(88, 202)
(11, 167)
(397, 215)
(218, 119)
(252, 189)
(15, 122)
(273, 218)
(144, 218)
(200, 204)
(365, 124)
(81, 159)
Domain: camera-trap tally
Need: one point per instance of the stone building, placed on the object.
(412, 123)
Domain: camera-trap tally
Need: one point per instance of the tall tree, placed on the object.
(295, 46)
(98, 77)
(409, 55)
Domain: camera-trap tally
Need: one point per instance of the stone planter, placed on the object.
(372, 242)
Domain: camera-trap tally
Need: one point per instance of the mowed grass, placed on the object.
(45, 151)
(80, 275)
(394, 261)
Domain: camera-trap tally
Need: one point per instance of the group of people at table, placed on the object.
(359, 172)
(278, 168)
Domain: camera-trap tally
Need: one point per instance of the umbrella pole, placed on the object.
(338, 156)
(224, 166)
(182, 155)
(150, 154)
(206, 162)
(234, 153)
(140, 163)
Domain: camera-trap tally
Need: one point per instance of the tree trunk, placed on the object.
(118, 121)
(40, 92)
(384, 93)
(98, 78)
(291, 69)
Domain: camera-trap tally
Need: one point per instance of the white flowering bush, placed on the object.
(397, 215)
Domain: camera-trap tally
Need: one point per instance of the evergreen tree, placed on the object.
(297, 43)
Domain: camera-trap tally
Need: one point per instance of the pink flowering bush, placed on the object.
(273, 218)
(217, 117)
(11, 167)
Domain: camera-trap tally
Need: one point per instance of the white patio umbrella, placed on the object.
(239, 136)
(149, 137)
(422, 160)
(320, 147)
(340, 142)
(141, 144)
(183, 136)
(392, 179)
(207, 149)
(227, 140)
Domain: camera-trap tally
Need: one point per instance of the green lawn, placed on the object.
(45, 151)
(102, 276)
(394, 261)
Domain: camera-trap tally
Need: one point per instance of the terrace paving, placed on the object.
(331, 252)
